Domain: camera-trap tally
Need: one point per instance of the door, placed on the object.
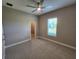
(3, 45)
(33, 31)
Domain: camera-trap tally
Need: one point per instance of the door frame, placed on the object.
(34, 29)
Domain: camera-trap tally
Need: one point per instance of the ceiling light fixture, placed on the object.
(39, 6)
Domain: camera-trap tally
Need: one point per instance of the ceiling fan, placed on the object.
(39, 5)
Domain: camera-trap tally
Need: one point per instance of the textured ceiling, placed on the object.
(49, 4)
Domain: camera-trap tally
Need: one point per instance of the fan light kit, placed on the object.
(39, 9)
(39, 5)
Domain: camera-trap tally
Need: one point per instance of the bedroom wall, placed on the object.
(66, 25)
(16, 25)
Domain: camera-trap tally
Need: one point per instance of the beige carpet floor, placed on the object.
(40, 49)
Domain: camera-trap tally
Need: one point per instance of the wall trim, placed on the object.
(60, 43)
(14, 44)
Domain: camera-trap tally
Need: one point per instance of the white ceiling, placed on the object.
(49, 4)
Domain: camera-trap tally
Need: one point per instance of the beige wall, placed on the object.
(66, 26)
(16, 25)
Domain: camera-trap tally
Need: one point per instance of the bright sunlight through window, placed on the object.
(52, 26)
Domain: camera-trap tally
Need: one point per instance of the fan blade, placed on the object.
(34, 10)
(34, 1)
(41, 1)
(43, 7)
(30, 6)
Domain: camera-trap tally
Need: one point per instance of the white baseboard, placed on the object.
(14, 44)
(60, 43)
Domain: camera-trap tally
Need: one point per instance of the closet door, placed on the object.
(3, 45)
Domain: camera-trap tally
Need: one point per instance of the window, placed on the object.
(52, 26)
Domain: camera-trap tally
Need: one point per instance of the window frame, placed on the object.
(56, 27)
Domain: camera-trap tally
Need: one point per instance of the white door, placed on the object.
(3, 46)
(3, 49)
